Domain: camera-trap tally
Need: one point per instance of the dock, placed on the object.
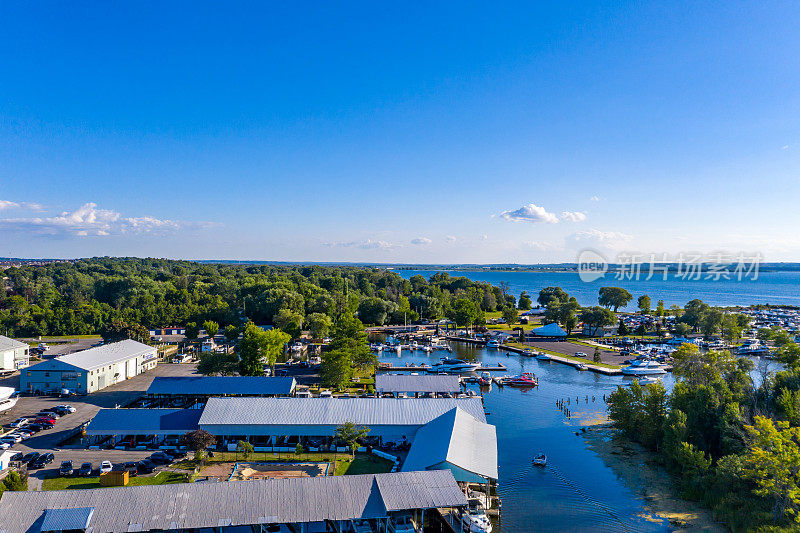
(572, 363)
(388, 367)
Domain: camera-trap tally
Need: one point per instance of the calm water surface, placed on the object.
(576, 491)
(770, 287)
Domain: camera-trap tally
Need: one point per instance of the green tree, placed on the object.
(525, 302)
(231, 332)
(466, 313)
(319, 324)
(550, 294)
(641, 330)
(349, 433)
(660, 308)
(218, 364)
(615, 297)
(211, 328)
(336, 369)
(682, 329)
(245, 448)
(596, 358)
(622, 328)
(510, 315)
(119, 330)
(644, 304)
(597, 317)
(772, 462)
(192, 331)
(693, 313)
(350, 338)
(14, 481)
(257, 347)
(375, 310)
(289, 321)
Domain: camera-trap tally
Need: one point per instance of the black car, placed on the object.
(160, 458)
(30, 457)
(60, 411)
(145, 466)
(45, 425)
(131, 468)
(42, 461)
(66, 469)
(86, 470)
(176, 454)
(17, 456)
(33, 428)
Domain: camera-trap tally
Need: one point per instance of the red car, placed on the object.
(50, 421)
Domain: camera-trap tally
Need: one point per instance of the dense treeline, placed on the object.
(732, 445)
(84, 296)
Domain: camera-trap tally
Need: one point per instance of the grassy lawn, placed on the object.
(364, 464)
(63, 483)
(586, 360)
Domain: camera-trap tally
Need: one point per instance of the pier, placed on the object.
(388, 367)
(572, 363)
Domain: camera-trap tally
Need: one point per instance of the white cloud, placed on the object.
(484, 237)
(7, 204)
(88, 220)
(451, 239)
(530, 213)
(573, 216)
(611, 240)
(594, 198)
(421, 241)
(368, 244)
(541, 246)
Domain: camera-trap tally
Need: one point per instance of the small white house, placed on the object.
(5, 458)
(13, 354)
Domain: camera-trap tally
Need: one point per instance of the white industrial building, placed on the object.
(13, 354)
(90, 370)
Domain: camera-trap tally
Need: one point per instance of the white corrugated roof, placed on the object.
(265, 501)
(420, 383)
(107, 354)
(457, 438)
(7, 343)
(333, 411)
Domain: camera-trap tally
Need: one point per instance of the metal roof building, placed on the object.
(206, 386)
(416, 384)
(143, 422)
(459, 442)
(186, 506)
(90, 370)
(386, 417)
(13, 354)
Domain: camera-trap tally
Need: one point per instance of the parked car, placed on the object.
(176, 454)
(66, 469)
(45, 423)
(131, 468)
(106, 467)
(17, 456)
(67, 408)
(30, 457)
(160, 458)
(4, 445)
(33, 428)
(48, 414)
(13, 438)
(19, 422)
(86, 470)
(145, 466)
(49, 419)
(42, 461)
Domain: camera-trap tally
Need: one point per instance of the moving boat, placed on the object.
(526, 379)
(540, 460)
(644, 367)
(448, 364)
(474, 519)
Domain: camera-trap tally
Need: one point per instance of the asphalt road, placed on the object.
(86, 407)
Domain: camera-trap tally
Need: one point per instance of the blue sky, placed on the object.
(408, 133)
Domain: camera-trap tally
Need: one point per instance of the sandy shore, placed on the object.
(639, 471)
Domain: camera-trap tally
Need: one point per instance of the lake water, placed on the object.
(777, 288)
(576, 491)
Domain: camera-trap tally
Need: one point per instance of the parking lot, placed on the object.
(86, 407)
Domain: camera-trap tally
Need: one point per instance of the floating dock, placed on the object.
(388, 367)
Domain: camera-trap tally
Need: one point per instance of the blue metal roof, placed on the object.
(65, 519)
(421, 383)
(222, 385)
(143, 421)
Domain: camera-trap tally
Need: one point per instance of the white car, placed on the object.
(326, 394)
(67, 408)
(106, 466)
(4, 445)
(19, 422)
(13, 438)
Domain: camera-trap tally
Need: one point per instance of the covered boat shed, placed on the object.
(416, 385)
(305, 504)
(141, 427)
(195, 391)
(459, 442)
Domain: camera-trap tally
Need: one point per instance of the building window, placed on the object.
(29, 373)
(47, 374)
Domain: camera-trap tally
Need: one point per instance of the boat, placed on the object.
(646, 380)
(528, 353)
(493, 344)
(448, 364)
(582, 366)
(474, 519)
(6, 392)
(541, 356)
(7, 404)
(485, 379)
(644, 367)
(540, 460)
(526, 379)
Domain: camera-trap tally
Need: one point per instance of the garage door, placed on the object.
(101, 382)
(130, 368)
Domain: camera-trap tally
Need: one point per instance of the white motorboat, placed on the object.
(582, 366)
(540, 460)
(404, 523)
(644, 367)
(541, 356)
(474, 518)
(447, 364)
(648, 380)
(6, 392)
(7, 404)
(493, 344)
